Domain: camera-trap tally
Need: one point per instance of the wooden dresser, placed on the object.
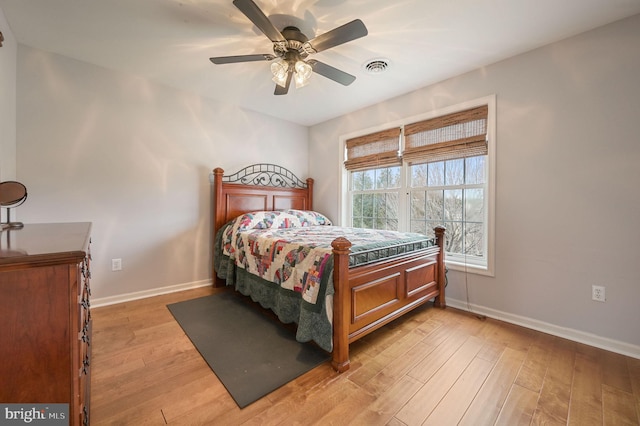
(45, 322)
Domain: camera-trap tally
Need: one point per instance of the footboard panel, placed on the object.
(379, 295)
(368, 297)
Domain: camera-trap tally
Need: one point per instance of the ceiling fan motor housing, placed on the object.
(293, 45)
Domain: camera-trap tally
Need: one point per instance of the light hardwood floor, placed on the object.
(432, 366)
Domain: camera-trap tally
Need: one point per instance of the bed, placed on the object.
(358, 288)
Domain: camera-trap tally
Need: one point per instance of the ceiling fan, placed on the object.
(291, 49)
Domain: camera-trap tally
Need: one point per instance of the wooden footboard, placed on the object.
(367, 297)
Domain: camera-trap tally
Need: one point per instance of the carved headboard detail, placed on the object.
(258, 187)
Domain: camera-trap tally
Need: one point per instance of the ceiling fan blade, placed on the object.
(330, 72)
(242, 58)
(284, 90)
(343, 34)
(259, 19)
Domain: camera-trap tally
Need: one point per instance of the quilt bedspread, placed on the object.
(284, 261)
(296, 258)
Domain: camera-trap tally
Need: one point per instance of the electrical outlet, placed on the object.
(597, 293)
(116, 264)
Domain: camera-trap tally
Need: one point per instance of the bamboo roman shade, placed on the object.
(379, 149)
(457, 135)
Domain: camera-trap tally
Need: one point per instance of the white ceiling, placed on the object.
(425, 41)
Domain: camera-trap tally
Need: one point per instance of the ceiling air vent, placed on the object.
(376, 66)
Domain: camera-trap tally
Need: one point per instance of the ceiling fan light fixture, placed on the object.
(280, 70)
(303, 74)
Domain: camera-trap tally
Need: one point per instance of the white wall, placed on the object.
(134, 158)
(8, 53)
(568, 170)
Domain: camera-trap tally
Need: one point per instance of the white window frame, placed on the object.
(459, 262)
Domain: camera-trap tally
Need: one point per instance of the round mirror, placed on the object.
(12, 194)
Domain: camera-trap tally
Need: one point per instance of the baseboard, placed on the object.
(121, 298)
(566, 333)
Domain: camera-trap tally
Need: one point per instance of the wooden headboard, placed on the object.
(258, 187)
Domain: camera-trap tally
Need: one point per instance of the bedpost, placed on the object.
(341, 304)
(217, 198)
(310, 193)
(440, 301)
(218, 216)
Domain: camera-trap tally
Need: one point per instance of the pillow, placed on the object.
(309, 218)
(279, 219)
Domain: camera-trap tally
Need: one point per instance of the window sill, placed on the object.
(468, 268)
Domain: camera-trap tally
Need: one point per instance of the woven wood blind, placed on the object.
(457, 135)
(380, 149)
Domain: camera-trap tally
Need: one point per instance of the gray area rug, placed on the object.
(251, 353)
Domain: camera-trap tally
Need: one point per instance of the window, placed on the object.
(451, 193)
(374, 195)
(443, 174)
(375, 181)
